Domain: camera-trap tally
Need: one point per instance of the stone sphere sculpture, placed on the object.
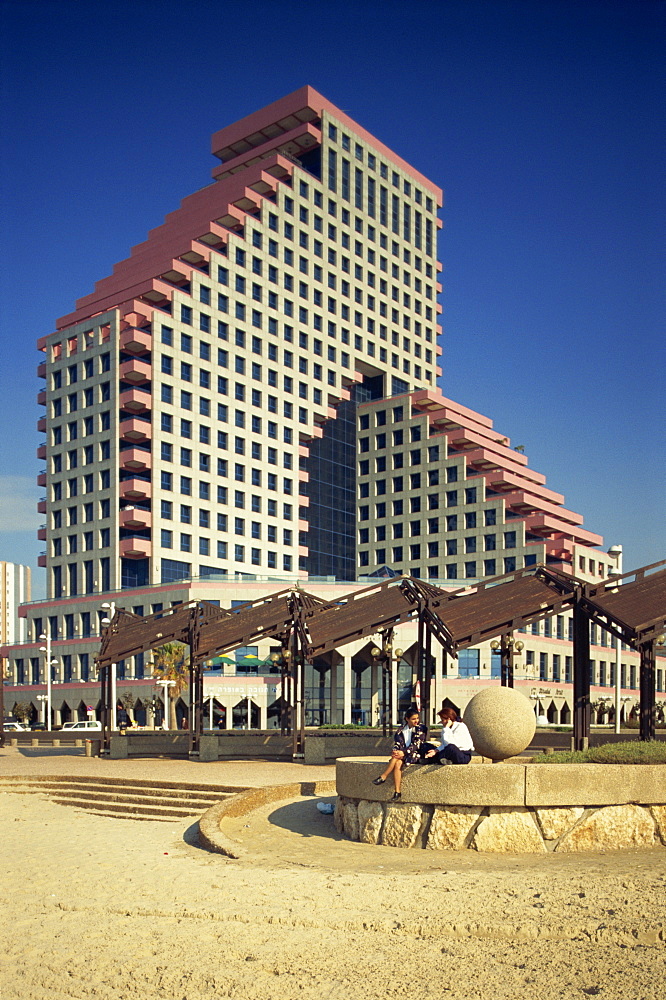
(501, 722)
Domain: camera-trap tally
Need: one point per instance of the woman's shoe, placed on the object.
(378, 781)
(396, 796)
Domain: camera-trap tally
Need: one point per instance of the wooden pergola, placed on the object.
(632, 607)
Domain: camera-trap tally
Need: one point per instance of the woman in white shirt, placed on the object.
(456, 746)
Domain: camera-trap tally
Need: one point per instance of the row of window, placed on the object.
(452, 522)
(86, 369)
(87, 340)
(87, 540)
(173, 570)
(471, 570)
(258, 452)
(100, 393)
(287, 307)
(223, 333)
(240, 474)
(414, 529)
(391, 211)
(89, 511)
(242, 286)
(186, 401)
(70, 459)
(242, 259)
(595, 568)
(409, 189)
(89, 483)
(269, 376)
(87, 426)
(205, 520)
(86, 578)
(185, 540)
(256, 502)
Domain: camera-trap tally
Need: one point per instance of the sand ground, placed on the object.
(115, 908)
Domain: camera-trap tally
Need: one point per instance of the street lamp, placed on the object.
(387, 654)
(50, 661)
(283, 660)
(507, 646)
(110, 608)
(165, 697)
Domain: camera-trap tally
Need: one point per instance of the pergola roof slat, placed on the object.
(489, 610)
(638, 606)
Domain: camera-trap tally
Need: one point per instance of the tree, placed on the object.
(22, 711)
(127, 700)
(171, 662)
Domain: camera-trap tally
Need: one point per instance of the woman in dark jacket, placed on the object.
(406, 750)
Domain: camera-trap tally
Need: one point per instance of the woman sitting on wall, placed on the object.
(406, 750)
(456, 746)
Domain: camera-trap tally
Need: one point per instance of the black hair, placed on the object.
(410, 712)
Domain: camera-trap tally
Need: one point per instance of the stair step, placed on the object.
(181, 802)
(177, 786)
(129, 799)
(119, 810)
(161, 796)
(132, 816)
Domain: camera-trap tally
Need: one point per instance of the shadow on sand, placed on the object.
(304, 819)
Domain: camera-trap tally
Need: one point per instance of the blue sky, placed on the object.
(541, 121)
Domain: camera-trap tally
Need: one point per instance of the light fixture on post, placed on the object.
(110, 608)
(508, 647)
(50, 661)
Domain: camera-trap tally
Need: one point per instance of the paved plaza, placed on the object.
(114, 908)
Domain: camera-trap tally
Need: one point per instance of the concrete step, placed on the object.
(193, 803)
(133, 816)
(123, 793)
(129, 798)
(124, 782)
(127, 810)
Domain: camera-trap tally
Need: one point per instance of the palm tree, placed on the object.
(171, 662)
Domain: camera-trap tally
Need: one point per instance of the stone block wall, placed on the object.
(501, 829)
(505, 808)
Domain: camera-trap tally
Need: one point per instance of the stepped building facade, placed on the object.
(251, 397)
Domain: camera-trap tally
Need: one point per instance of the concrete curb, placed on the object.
(210, 835)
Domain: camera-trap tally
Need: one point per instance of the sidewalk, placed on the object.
(29, 761)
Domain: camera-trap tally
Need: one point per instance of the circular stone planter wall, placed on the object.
(506, 807)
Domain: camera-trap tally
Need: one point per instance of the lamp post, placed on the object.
(110, 608)
(165, 696)
(388, 655)
(507, 646)
(46, 637)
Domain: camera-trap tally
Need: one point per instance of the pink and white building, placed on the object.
(250, 398)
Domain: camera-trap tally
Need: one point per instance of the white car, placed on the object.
(14, 727)
(88, 724)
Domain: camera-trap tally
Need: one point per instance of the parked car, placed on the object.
(14, 727)
(88, 724)
(38, 727)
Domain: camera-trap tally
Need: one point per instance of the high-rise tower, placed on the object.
(184, 395)
(251, 398)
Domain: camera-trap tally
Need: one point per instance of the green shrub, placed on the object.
(633, 752)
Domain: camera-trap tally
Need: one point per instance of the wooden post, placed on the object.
(647, 690)
(419, 658)
(581, 677)
(427, 679)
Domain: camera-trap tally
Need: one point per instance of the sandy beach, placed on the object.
(115, 908)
